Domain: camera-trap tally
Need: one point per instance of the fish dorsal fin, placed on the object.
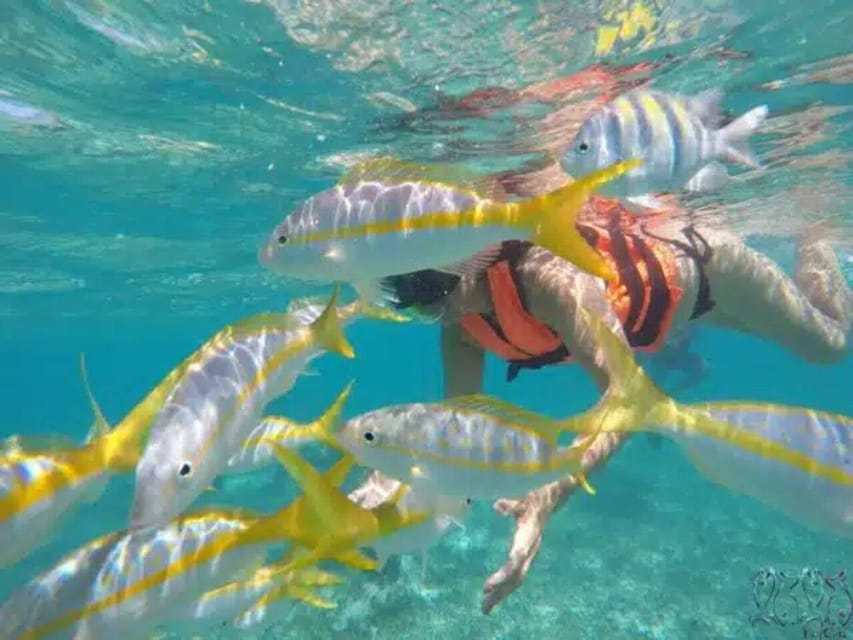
(503, 411)
(388, 169)
(706, 106)
(100, 426)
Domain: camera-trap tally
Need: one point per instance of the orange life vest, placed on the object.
(644, 297)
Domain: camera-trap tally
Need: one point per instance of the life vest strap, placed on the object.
(644, 297)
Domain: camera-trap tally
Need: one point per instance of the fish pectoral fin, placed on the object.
(712, 177)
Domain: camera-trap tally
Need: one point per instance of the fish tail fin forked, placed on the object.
(323, 428)
(553, 217)
(733, 139)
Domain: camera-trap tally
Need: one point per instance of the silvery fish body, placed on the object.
(439, 449)
(257, 453)
(812, 499)
(31, 508)
(362, 231)
(212, 409)
(118, 585)
(679, 139)
(447, 511)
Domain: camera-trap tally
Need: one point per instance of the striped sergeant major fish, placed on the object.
(220, 394)
(680, 139)
(43, 479)
(386, 218)
(125, 584)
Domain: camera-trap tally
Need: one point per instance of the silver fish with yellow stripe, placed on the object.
(679, 138)
(472, 446)
(389, 218)
(794, 459)
(124, 584)
(43, 479)
(220, 395)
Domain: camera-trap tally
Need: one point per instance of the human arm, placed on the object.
(554, 290)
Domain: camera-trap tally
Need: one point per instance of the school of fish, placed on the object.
(178, 566)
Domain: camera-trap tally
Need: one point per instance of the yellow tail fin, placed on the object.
(327, 329)
(632, 402)
(323, 428)
(553, 216)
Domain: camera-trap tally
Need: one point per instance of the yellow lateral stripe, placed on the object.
(485, 213)
(208, 553)
(556, 461)
(766, 448)
(772, 409)
(77, 466)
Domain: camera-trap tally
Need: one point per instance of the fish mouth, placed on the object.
(265, 254)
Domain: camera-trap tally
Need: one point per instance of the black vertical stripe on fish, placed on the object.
(675, 133)
(613, 132)
(645, 129)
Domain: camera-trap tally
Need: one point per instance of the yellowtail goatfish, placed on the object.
(43, 479)
(220, 396)
(679, 138)
(388, 218)
(125, 584)
(797, 460)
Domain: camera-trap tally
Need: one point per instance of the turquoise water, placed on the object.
(146, 151)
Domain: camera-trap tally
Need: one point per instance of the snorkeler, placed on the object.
(524, 310)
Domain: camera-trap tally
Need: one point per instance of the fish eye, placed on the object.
(282, 239)
(369, 436)
(468, 501)
(583, 147)
(185, 470)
